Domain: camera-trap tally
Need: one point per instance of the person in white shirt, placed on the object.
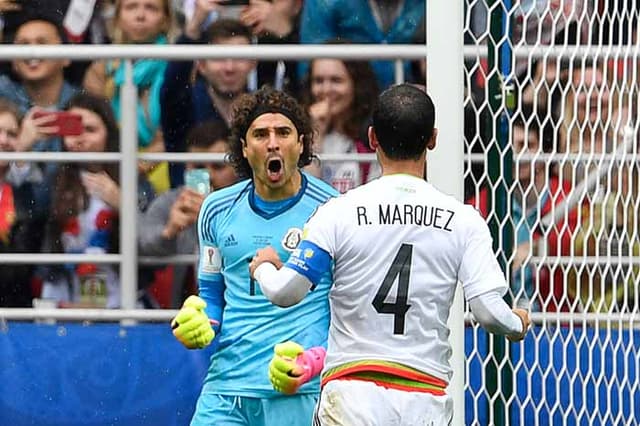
(398, 248)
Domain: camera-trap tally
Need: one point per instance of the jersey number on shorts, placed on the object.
(401, 268)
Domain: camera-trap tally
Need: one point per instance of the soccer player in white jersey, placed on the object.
(397, 247)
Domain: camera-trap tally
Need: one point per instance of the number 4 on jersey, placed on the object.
(401, 268)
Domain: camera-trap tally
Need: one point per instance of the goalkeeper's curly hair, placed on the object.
(251, 105)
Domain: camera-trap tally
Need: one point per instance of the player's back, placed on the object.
(398, 255)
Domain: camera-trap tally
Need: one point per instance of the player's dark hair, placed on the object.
(250, 106)
(403, 120)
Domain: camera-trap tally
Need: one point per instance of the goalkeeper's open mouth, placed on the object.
(275, 169)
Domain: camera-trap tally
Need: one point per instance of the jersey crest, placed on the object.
(291, 239)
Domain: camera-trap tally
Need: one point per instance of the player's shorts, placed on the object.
(223, 410)
(362, 403)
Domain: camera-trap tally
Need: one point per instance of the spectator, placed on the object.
(84, 211)
(40, 86)
(271, 22)
(19, 231)
(40, 83)
(584, 116)
(77, 19)
(187, 101)
(553, 23)
(607, 234)
(375, 21)
(138, 21)
(608, 220)
(339, 96)
(275, 22)
(534, 194)
(168, 226)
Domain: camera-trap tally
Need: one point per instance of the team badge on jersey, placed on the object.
(291, 239)
(210, 260)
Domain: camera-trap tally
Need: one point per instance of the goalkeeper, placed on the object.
(270, 141)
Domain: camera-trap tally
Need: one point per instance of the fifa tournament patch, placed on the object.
(210, 260)
(292, 238)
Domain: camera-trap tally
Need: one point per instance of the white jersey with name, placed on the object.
(399, 248)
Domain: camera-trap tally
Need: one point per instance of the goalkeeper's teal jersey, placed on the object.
(233, 224)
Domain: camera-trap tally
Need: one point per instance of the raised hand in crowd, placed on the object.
(184, 212)
(102, 186)
(275, 18)
(320, 113)
(202, 10)
(35, 127)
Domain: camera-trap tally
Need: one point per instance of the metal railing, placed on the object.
(129, 155)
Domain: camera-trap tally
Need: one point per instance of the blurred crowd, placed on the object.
(566, 196)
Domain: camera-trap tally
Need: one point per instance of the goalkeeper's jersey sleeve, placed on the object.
(399, 248)
(233, 224)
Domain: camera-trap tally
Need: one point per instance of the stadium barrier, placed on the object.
(104, 374)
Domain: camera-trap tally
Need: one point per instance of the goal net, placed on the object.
(551, 161)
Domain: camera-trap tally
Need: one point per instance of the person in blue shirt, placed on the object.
(271, 139)
(374, 21)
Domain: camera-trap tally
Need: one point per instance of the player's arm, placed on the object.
(494, 315)
(212, 292)
(199, 319)
(484, 283)
(286, 285)
(195, 322)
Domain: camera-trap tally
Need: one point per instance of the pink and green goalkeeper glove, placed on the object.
(292, 366)
(191, 326)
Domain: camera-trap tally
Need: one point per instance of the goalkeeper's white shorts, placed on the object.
(362, 403)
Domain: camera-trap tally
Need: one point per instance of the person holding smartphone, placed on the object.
(39, 85)
(168, 227)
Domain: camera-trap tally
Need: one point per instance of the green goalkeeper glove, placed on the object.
(191, 326)
(292, 366)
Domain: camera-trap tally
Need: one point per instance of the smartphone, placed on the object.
(68, 123)
(198, 180)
